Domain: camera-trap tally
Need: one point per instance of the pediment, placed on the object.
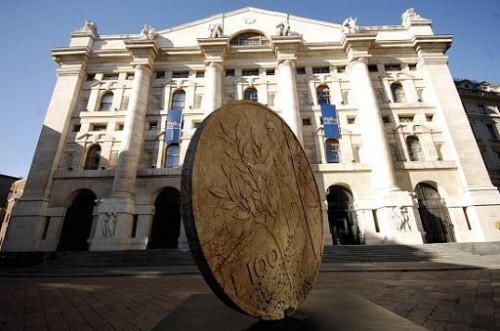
(250, 19)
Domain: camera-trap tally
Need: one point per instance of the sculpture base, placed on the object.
(329, 309)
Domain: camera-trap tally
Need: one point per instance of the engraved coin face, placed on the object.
(252, 211)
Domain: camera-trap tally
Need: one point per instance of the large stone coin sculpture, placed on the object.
(252, 211)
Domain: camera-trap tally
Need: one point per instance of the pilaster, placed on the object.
(29, 214)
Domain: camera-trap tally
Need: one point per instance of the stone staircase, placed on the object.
(165, 257)
(395, 253)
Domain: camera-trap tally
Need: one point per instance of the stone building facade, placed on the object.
(481, 101)
(400, 169)
(15, 191)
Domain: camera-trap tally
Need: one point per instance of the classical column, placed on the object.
(132, 136)
(372, 127)
(116, 212)
(212, 98)
(214, 50)
(287, 97)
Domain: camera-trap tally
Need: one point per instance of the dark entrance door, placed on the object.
(167, 220)
(77, 223)
(434, 215)
(342, 216)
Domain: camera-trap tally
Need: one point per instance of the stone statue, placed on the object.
(109, 226)
(350, 25)
(400, 215)
(283, 29)
(89, 26)
(410, 15)
(148, 32)
(215, 30)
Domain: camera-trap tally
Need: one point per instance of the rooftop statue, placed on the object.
(411, 15)
(89, 26)
(283, 29)
(350, 25)
(148, 32)
(215, 30)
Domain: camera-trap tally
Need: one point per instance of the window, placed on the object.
(153, 125)
(301, 70)
(160, 75)
(250, 72)
(196, 125)
(372, 68)
(405, 118)
(351, 119)
(172, 156)
(229, 72)
(200, 74)
(323, 93)
(392, 67)
(250, 94)
(98, 127)
(110, 77)
(306, 121)
(77, 127)
(321, 70)
(130, 76)
(429, 117)
(482, 109)
(414, 149)
(93, 158)
(398, 94)
(249, 39)
(341, 69)
(492, 132)
(270, 72)
(332, 151)
(180, 74)
(120, 127)
(386, 119)
(90, 77)
(106, 101)
(178, 99)
(412, 67)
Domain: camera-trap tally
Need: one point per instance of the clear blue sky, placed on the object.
(30, 28)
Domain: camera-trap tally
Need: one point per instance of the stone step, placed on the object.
(159, 257)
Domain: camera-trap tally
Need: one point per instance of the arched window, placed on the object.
(323, 93)
(178, 99)
(93, 158)
(249, 39)
(332, 151)
(251, 94)
(398, 94)
(172, 160)
(106, 101)
(414, 149)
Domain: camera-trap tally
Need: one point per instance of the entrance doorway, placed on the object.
(166, 220)
(77, 223)
(434, 215)
(342, 216)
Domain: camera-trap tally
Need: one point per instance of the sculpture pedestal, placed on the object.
(329, 309)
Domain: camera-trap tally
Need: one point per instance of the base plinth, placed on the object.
(329, 309)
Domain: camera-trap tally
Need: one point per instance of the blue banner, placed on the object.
(330, 121)
(173, 129)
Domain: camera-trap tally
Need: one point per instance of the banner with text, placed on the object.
(330, 121)
(173, 129)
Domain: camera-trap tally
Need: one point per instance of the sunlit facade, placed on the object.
(395, 159)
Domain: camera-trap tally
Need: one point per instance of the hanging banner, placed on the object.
(330, 121)
(173, 129)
